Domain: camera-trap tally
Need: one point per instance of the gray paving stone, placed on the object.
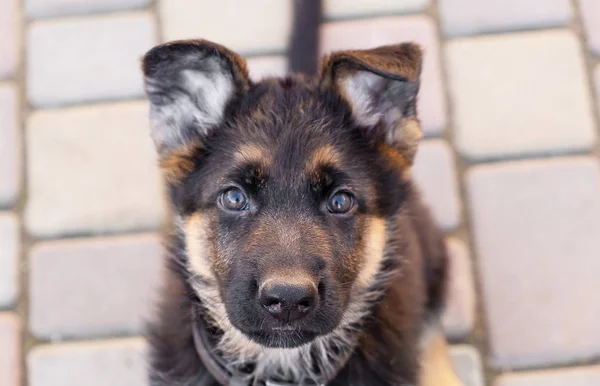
(10, 37)
(347, 9)
(459, 317)
(248, 27)
(10, 355)
(520, 94)
(10, 249)
(581, 376)
(85, 59)
(263, 66)
(10, 145)
(95, 287)
(467, 365)
(590, 17)
(536, 227)
(51, 8)
(118, 362)
(92, 169)
(393, 30)
(435, 174)
(470, 17)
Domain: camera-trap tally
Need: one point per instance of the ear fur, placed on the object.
(381, 87)
(189, 85)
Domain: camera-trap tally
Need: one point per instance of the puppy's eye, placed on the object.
(234, 199)
(341, 202)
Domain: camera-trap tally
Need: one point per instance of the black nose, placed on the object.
(288, 301)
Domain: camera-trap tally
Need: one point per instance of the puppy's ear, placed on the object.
(189, 85)
(381, 87)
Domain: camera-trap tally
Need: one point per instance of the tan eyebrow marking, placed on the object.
(325, 155)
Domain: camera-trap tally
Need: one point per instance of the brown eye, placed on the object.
(234, 199)
(340, 202)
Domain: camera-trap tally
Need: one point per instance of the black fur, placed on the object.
(289, 120)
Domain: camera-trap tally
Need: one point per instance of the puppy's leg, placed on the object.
(436, 367)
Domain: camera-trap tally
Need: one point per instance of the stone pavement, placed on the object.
(510, 167)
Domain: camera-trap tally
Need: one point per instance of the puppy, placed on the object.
(300, 252)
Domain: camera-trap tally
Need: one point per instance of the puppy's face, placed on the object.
(284, 186)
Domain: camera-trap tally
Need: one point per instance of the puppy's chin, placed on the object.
(282, 337)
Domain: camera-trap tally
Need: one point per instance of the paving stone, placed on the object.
(10, 355)
(95, 287)
(470, 17)
(10, 248)
(247, 27)
(118, 362)
(590, 17)
(347, 9)
(467, 365)
(85, 59)
(520, 94)
(10, 37)
(92, 169)
(393, 30)
(52, 8)
(10, 145)
(581, 376)
(536, 227)
(263, 66)
(435, 174)
(459, 317)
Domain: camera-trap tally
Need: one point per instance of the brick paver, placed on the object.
(435, 174)
(536, 226)
(346, 9)
(391, 30)
(10, 354)
(10, 248)
(260, 67)
(582, 376)
(519, 87)
(466, 17)
(459, 316)
(109, 47)
(504, 107)
(89, 288)
(103, 363)
(92, 169)
(10, 145)
(10, 37)
(52, 8)
(467, 364)
(248, 27)
(590, 16)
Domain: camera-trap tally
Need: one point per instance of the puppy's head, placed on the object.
(284, 186)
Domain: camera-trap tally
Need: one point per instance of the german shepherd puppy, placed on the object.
(300, 251)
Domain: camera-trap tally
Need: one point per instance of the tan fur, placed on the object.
(196, 230)
(179, 163)
(407, 137)
(323, 156)
(437, 367)
(253, 154)
(373, 253)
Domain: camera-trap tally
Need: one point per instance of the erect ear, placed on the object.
(381, 87)
(189, 85)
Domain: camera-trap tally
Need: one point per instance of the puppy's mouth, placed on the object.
(282, 336)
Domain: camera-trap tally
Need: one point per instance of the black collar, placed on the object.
(217, 367)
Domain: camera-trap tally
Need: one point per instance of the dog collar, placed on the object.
(217, 367)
